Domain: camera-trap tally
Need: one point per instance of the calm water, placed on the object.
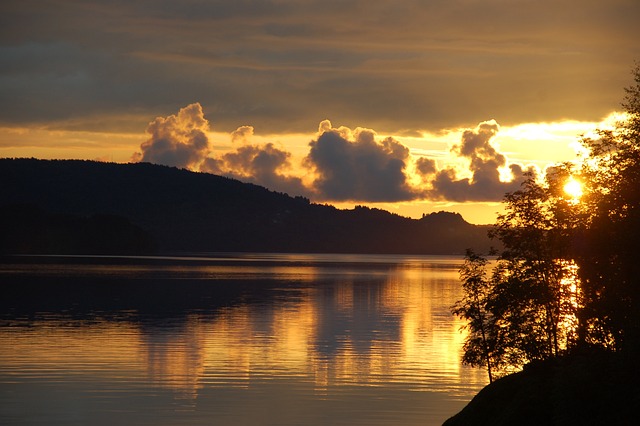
(232, 340)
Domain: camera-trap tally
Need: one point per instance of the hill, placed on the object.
(186, 211)
(589, 388)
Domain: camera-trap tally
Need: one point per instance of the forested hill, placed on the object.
(139, 206)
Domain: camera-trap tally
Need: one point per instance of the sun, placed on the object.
(573, 189)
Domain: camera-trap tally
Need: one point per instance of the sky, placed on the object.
(407, 105)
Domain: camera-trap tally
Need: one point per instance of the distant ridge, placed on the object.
(181, 210)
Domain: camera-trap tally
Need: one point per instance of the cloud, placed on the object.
(275, 65)
(354, 165)
(345, 164)
(242, 134)
(177, 140)
(484, 163)
(264, 165)
(425, 166)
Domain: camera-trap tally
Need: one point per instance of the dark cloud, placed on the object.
(356, 166)
(425, 166)
(177, 140)
(347, 165)
(273, 64)
(484, 164)
(264, 165)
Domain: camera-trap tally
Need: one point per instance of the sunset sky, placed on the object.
(407, 105)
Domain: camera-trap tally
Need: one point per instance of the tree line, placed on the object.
(59, 206)
(567, 277)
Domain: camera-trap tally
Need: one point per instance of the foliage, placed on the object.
(27, 229)
(187, 211)
(608, 260)
(482, 347)
(534, 290)
(569, 274)
(529, 303)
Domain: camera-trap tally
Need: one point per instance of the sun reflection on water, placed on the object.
(382, 327)
(348, 333)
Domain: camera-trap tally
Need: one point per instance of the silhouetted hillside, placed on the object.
(187, 211)
(26, 228)
(590, 388)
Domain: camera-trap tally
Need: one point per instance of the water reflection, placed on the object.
(331, 330)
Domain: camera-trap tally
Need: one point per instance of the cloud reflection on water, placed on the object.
(322, 330)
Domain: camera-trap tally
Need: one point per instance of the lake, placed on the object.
(232, 339)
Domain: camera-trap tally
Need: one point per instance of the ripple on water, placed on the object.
(259, 340)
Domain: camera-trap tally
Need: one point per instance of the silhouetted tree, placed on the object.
(608, 255)
(535, 294)
(527, 309)
(569, 271)
(481, 346)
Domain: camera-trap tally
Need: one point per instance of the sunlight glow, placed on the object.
(573, 188)
(570, 291)
(529, 145)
